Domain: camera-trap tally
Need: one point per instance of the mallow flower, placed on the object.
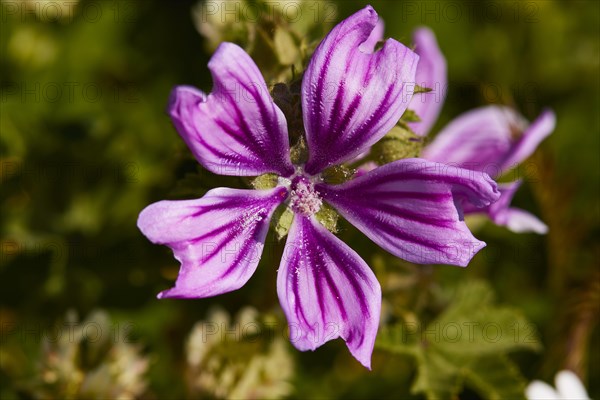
(351, 97)
(492, 139)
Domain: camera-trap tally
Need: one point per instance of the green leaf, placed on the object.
(467, 343)
(496, 378)
(436, 376)
(472, 325)
(398, 339)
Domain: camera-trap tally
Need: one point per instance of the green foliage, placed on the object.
(75, 171)
(278, 35)
(285, 47)
(467, 343)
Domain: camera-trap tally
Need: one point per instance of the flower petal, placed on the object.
(431, 73)
(569, 386)
(352, 97)
(478, 139)
(521, 221)
(498, 211)
(538, 390)
(515, 219)
(218, 239)
(237, 129)
(507, 192)
(413, 209)
(484, 139)
(539, 129)
(375, 37)
(327, 291)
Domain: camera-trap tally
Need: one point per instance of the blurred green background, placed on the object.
(86, 144)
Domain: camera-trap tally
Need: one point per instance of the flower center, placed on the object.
(304, 199)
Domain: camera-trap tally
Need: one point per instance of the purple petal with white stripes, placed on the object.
(515, 219)
(491, 139)
(327, 291)
(413, 208)
(237, 129)
(375, 37)
(218, 239)
(352, 97)
(431, 73)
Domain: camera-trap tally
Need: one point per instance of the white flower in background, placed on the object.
(237, 359)
(90, 361)
(568, 387)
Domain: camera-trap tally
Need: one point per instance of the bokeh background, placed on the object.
(86, 144)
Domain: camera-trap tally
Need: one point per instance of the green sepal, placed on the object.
(421, 89)
(299, 152)
(284, 216)
(410, 116)
(337, 174)
(399, 143)
(265, 181)
(328, 217)
(281, 221)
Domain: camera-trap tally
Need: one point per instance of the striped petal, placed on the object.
(218, 239)
(526, 144)
(327, 291)
(413, 208)
(497, 210)
(521, 221)
(431, 73)
(237, 129)
(351, 96)
(491, 139)
(515, 219)
(375, 37)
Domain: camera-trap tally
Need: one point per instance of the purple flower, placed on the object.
(351, 97)
(494, 139)
(491, 139)
(432, 74)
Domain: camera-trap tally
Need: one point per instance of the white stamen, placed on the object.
(304, 199)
